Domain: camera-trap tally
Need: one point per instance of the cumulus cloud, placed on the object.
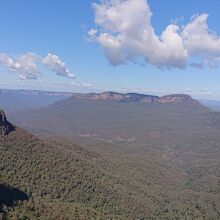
(125, 33)
(25, 65)
(199, 40)
(54, 63)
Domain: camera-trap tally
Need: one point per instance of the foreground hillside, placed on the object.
(56, 179)
(63, 181)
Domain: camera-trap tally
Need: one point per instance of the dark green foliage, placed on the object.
(65, 176)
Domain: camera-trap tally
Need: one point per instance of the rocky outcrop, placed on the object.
(136, 97)
(178, 99)
(128, 97)
(109, 96)
(5, 126)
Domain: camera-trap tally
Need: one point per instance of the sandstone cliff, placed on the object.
(136, 97)
(5, 126)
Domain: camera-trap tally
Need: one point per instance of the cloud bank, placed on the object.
(54, 63)
(24, 64)
(27, 65)
(125, 33)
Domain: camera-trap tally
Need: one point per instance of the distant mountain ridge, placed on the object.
(34, 92)
(109, 95)
(136, 97)
(19, 100)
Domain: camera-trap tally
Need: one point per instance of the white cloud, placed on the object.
(74, 84)
(25, 65)
(82, 85)
(92, 34)
(125, 33)
(199, 40)
(87, 85)
(54, 63)
(202, 42)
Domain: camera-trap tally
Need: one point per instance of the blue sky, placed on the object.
(54, 34)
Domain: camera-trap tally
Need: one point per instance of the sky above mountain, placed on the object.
(153, 46)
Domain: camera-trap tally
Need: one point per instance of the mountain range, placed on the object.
(111, 156)
(101, 115)
(12, 100)
(136, 97)
(17, 100)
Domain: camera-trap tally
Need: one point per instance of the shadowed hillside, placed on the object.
(10, 196)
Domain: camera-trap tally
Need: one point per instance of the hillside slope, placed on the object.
(63, 180)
